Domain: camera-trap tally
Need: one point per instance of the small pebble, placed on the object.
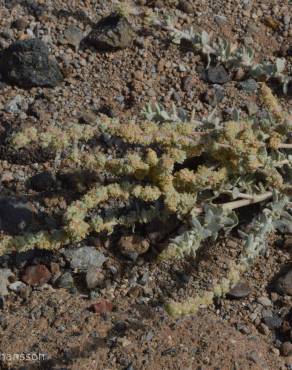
(17, 286)
(273, 322)
(65, 281)
(14, 105)
(185, 6)
(73, 36)
(252, 108)
(249, 85)
(240, 290)
(283, 284)
(94, 277)
(220, 19)
(102, 306)
(265, 301)
(263, 329)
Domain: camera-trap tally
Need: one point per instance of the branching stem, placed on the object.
(285, 146)
(248, 200)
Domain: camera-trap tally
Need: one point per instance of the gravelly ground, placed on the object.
(135, 332)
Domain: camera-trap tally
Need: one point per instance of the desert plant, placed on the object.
(199, 171)
(230, 55)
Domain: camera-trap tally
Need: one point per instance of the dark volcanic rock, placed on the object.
(217, 75)
(111, 33)
(27, 64)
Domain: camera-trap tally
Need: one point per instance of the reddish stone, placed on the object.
(102, 306)
(36, 275)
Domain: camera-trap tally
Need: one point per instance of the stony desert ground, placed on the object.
(100, 304)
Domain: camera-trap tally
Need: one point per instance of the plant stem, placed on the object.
(285, 146)
(249, 199)
(245, 202)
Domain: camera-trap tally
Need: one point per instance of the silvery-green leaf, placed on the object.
(235, 193)
(280, 63)
(235, 114)
(205, 38)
